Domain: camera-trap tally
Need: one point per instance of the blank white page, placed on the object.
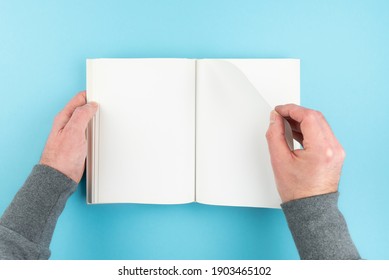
(232, 116)
(146, 129)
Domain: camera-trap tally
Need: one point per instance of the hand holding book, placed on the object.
(66, 146)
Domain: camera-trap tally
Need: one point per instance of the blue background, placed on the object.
(343, 47)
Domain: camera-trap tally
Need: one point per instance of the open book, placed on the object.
(172, 131)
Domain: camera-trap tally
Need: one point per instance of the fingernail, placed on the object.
(272, 116)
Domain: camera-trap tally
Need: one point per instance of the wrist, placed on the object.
(297, 194)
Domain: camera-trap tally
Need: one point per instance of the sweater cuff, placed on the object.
(36, 207)
(319, 228)
(310, 208)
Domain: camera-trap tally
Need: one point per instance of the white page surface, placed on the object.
(277, 80)
(146, 129)
(232, 159)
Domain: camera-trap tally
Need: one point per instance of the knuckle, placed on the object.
(329, 153)
(314, 114)
(333, 155)
(321, 117)
(79, 112)
(319, 114)
(310, 114)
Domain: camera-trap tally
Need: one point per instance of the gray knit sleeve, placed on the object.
(27, 225)
(319, 228)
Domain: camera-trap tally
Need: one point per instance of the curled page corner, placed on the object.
(235, 73)
(239, 74)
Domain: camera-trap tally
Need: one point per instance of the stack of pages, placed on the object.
(172, 131)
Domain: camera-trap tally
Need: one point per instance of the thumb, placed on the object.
(82, 115)
(276, 141)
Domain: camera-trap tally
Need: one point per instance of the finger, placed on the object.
(291, 111)
(275, 135)
(313, 126)
(81, 117)
(64, 116)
